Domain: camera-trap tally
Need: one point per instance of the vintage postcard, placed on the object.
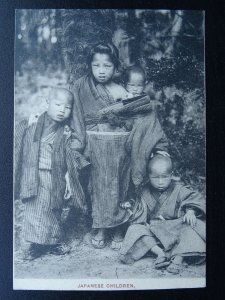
(109, 149)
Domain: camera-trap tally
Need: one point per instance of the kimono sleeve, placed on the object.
(193, 200)
(162, 144)
(19, 133)
(75, 162)
(146, 136)
(77, 120)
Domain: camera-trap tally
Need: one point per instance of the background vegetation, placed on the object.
(51, 47)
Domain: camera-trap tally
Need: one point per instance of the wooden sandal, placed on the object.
(117, 245)
(174, 268)
(98, 244)
(161, 262)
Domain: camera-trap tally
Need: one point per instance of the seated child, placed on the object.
(44, 162)
(135, 81)
(169, 221)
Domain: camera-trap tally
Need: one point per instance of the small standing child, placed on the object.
(44, 162)
(169, 221)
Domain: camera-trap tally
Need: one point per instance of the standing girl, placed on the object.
(110, 173)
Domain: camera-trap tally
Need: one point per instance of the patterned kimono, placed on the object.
(158, 220)
(43, 154)
(114, 157)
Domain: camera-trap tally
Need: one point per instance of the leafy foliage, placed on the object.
(38, 39)
(168, 44)
(178, 83)
(81, 29)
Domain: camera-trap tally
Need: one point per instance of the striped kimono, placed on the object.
(158, 220)
(115, 156)
(43, 154)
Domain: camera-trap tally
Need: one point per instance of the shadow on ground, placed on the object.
(84, 261)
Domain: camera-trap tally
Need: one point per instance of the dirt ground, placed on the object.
(84, 261)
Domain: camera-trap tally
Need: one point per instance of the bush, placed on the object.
(178, 83)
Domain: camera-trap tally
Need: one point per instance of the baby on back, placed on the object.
(135, 81)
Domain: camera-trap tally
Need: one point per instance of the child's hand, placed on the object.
(126, 205)
(68, 191)
(65, 214)
(129, 95)
(190, 218)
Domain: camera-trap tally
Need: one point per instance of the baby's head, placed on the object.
(103, 61)
(60, 103)
(160, 170)
(135, 80)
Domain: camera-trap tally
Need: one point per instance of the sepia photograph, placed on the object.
(109, 149)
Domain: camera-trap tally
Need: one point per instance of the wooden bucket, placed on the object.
(110, 176)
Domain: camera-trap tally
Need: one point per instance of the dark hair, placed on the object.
(159, 157)
(109, 49)
(133, 69)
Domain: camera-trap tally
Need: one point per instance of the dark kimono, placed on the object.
(114, 157)
(43, 154)
(158, 220)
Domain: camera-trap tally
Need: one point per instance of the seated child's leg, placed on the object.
(99, 240)
(158, 251)
(139, 248)
(175, 264)
(190, 243)
(161, 260)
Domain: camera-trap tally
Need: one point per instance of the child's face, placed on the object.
(102, 67)
(136, 84)
(59, 106)
(160, 177)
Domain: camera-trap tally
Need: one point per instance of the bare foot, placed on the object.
(176, 265)
(161, 260)
(99, 240)
(117, 240)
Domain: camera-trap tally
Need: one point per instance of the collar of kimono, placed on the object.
(154, 198)
(93, 87)
(100, 92)
(166, 193)
(43, 122)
